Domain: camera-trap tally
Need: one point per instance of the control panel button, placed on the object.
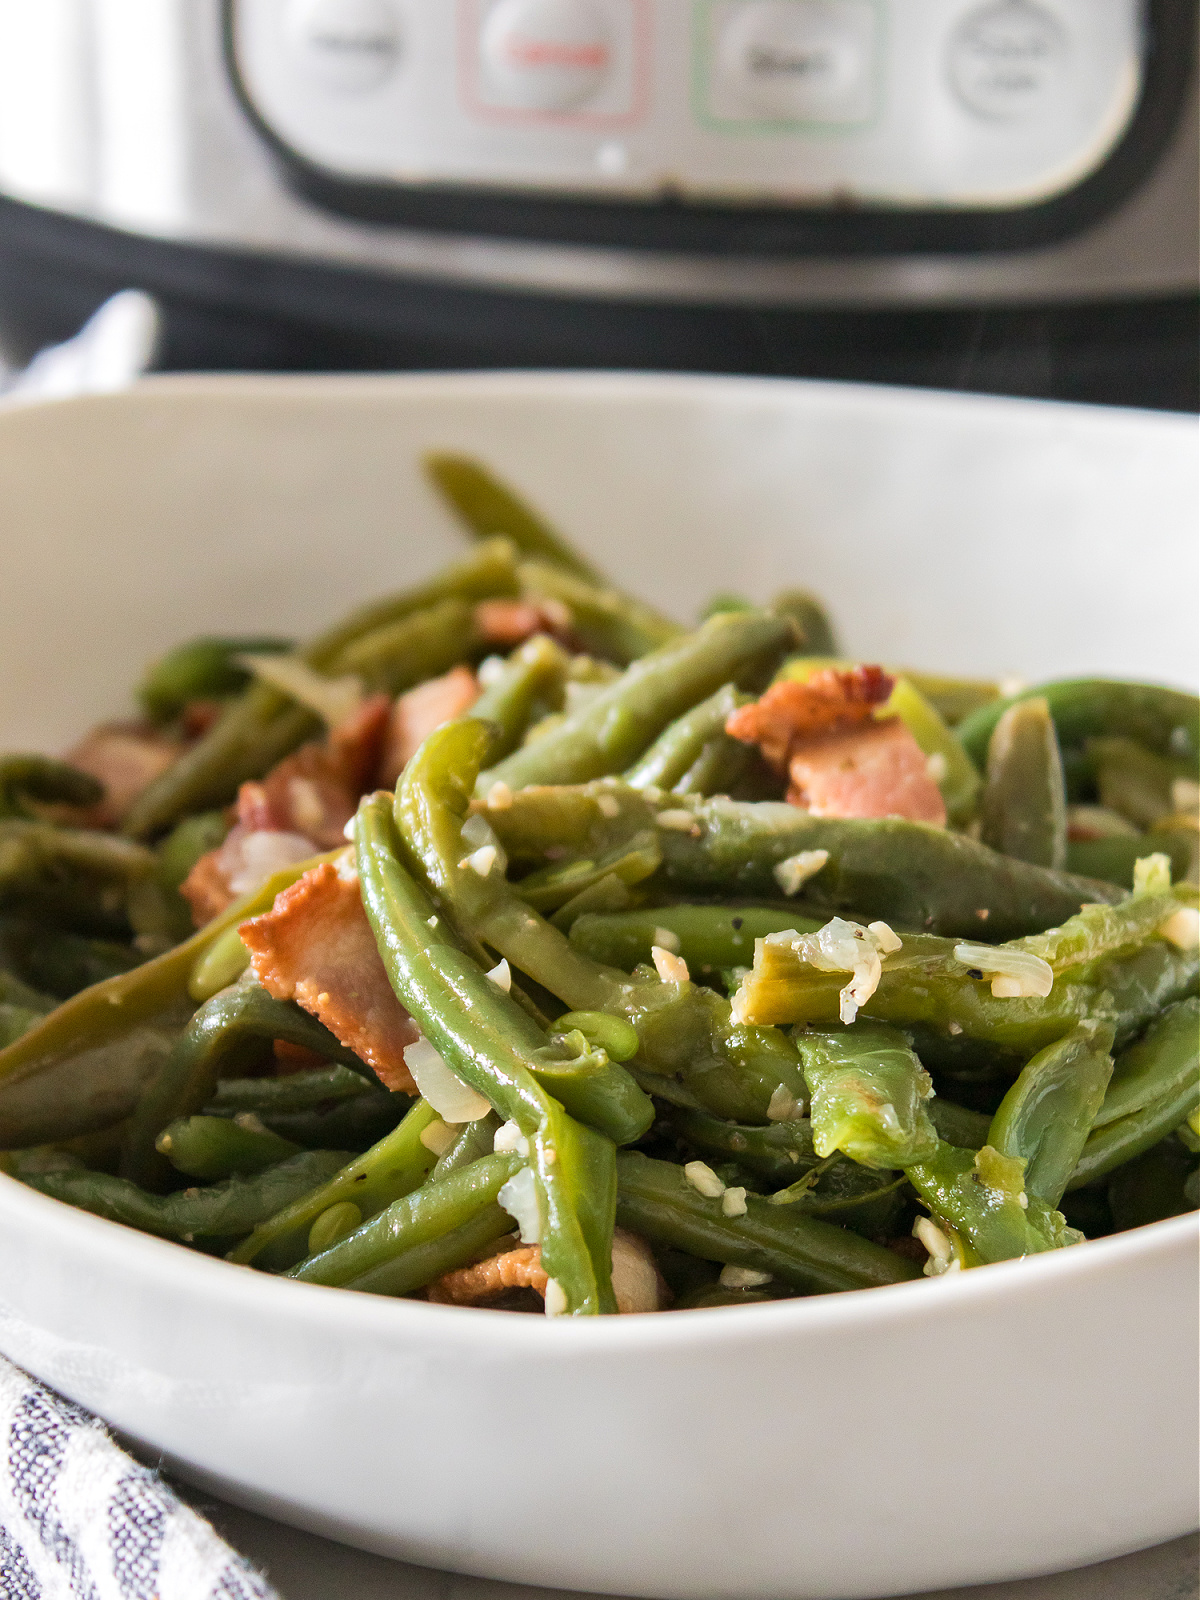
(794, 60)
(346, 45)
(1005, 60)
(545, 55)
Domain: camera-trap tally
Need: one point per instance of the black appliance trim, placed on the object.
(234, 310)
(685, 227)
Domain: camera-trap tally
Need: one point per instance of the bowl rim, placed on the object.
(604, 382)
(227, 1289)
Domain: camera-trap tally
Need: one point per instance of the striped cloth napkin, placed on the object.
(81, 1520)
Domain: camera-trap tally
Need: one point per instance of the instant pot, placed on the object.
(984, 194)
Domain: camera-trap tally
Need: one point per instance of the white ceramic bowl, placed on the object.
(1036, 1415)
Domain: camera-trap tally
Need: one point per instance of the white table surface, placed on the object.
(303, 1566)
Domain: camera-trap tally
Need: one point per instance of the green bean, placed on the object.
(333, 1225)
(223, 963)
(550, 887)
(1045, 1118)
(16, 1021)
(1154, 1086)
(38, 778)
(298, 1091)
(1135, 782)
(778, 1151)
(202, 669)
(491, 1043)
(868, 1096)
(1113, 859)
(974, 1193)
(613, 729)
(723, 766)
(487, 507)
(606, 894)
(607, 623)
(682, 1029)
(222, 1147)
(817, 636)
(37, 857)
(406, 652)
(363, 1258)
(616, 1037)
(347, 1125)
(261, 726)
(1024, 809)
(223, 1210)
(535, 673)
(655, 1200)
(708, 937)
(393, 1167)
(958, 1124)
(241, 1020)
(725, 600)
(1165, 720)
(871, 1206)
(954, 699)
(57, 964)
(682, 742)
(1107, 962)
(85, 1066)
(473, 1141)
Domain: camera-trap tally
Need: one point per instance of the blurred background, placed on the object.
(993, 195)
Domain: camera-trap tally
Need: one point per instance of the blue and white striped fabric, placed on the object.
(81, 1520)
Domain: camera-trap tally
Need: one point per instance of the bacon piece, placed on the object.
(791, 711)
(316, 790)
(637, 1283)
(416, 714)
(506, 623)
(248, 857)
(484, 1280)
(315, 946)
(126, 757)
(875, 771)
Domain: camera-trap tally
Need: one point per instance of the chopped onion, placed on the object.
(793, 873)
(1018, 974)
(519, 1197)
(333, 699)
(450, 1097)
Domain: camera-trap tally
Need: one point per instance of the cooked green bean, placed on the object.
(222, 1147)
(606, 622)
(262, 725)
(242, 1019)
(223, 1210)
(683, 741)
(551, 887)
(817, 637)
(868, 1096)
(682, 1029)
(655, 1200)
(981, 1199)
(202, 669)
(298, 1091)
(1154, 1086)
(388, 1170)
(38, 778)
(422, 645)
(617, 725)
(1024, 807)
(1045, 1118)
(708, 937)
(488, 507)
(1165, 720)
(376, 1255)
(535, 673)
(491, 1043)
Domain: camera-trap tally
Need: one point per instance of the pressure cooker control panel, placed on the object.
(910, 103)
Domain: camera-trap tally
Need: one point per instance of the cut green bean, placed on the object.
(966, 1191)
(682, 742)
(222, 1210)
(868, 1096)
(817, 636)
(534, 674)
(708, 937)
(202, 669)
(655, 1200)
(1045, 1118)
(607, 623)
(222, 1147)
(298, 1091)
(1167, 721)
(617, 725)
(25, 779)
(1024, 808)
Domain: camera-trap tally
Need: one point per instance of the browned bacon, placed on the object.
(485, 1280)
(126, 757)
(416, 714)
(505, 623)
(315, 946)
(790, 711)
(878, 770)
